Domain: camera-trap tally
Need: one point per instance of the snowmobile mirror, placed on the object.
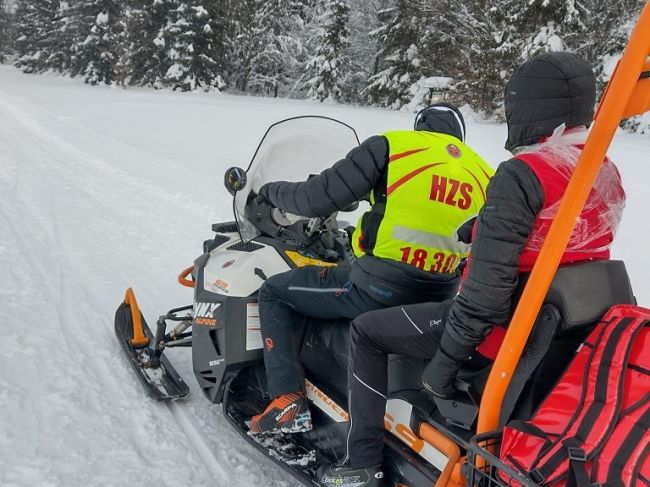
(235, 179)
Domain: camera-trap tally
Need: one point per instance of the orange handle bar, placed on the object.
(182, 278)
(613, 105)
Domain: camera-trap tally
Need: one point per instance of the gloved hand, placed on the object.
(439, 376)
(257, 199)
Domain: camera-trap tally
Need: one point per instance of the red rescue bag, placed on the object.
(593, 429)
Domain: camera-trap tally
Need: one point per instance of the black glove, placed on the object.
(440, 374)
(257, 199)
(264, 191)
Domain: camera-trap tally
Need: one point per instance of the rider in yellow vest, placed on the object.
(426, 188)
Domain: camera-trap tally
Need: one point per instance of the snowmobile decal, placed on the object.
(397, 419)
(204, 313)
(325, 403)
(302, 261)
(253, 329)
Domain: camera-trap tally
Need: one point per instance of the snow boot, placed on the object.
(344, 476)
(288, 413)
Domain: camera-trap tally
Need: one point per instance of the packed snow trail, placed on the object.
(101, 189)
(74, 227)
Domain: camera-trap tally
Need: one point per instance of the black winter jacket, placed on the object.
(543, 93)
(514, 198)
(349, 180)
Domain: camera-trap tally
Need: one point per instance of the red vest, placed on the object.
(594, 231)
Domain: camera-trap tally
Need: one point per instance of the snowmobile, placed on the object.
(452, 442)
(222, 325)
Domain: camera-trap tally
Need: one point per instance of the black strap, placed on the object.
(578, 475)
(598, 403)
(644, 480)
(631, 442)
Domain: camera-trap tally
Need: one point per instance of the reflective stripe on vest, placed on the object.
(434, 185)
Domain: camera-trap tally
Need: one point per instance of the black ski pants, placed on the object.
(415, 331)
(285, 299)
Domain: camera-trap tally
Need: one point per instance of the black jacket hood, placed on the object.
(545, 92)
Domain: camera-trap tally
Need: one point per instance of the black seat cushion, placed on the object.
(583, 292)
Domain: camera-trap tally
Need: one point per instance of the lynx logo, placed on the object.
(212, 363)
(204, 313)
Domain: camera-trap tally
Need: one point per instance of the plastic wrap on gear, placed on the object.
(606, 199)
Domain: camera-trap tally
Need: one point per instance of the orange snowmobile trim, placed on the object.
(626, 78)
(182, 277)
(139, 338)
(444, 445)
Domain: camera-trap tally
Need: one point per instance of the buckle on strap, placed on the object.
(576, 454)
(537, 476)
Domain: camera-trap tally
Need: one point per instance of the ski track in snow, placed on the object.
(101, 189)
(86, 422)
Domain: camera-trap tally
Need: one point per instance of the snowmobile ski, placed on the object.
(153, 369)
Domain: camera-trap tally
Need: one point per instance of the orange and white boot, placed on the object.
(288, 413)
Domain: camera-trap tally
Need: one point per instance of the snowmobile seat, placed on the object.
(578, 297)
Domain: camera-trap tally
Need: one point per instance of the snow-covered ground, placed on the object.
(103, 188)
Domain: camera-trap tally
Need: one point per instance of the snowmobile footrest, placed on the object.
(161, 382)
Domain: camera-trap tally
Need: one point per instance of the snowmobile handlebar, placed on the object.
(182, 277)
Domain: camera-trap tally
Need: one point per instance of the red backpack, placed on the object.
(593, 429)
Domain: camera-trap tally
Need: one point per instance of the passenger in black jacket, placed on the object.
(549, 104)
(400, 260)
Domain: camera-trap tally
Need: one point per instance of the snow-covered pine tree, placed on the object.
(34, 19)
(475, 44)
(98, 37)
(363, 49)
(194, 42)
(282, 25)
(62, 35)
(326, 69)
(5, 38)
(399, 61)
(264, 43)
(143, 58)
(603, 32)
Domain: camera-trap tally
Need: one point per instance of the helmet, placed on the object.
(545, 92)
(443, 118)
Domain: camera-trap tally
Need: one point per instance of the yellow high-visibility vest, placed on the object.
(434, 184)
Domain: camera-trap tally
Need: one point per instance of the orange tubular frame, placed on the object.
(616, 103)
(443, 444)
(182, 277)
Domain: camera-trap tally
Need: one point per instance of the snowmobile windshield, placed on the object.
(292, 150)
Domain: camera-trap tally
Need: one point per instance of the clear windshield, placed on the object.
(291, 150)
